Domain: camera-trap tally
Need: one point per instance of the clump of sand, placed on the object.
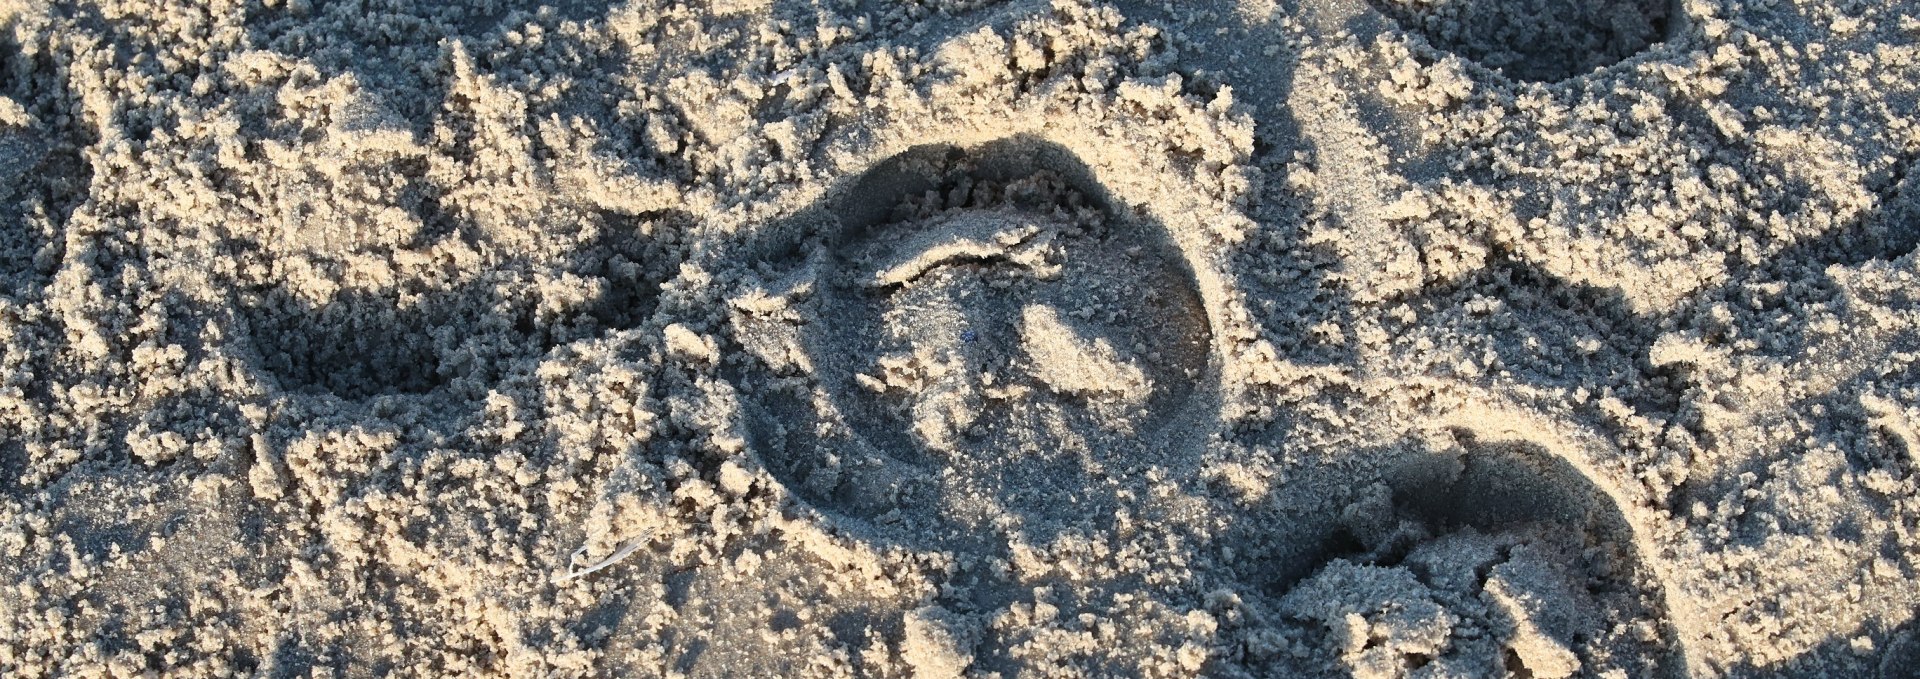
(1371, 338)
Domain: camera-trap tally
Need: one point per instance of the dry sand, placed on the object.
(1279, 338)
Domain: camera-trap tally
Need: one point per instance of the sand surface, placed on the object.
(938, 338)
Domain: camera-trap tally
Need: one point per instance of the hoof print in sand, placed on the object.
(414, 338)
(990, 329)
(1489, 559)
(1538, 40)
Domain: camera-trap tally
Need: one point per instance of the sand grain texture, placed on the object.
(941, 338)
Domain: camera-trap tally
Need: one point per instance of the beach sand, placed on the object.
(940, 338)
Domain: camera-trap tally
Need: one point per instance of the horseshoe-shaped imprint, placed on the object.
(1498, 533)
(991, 331)
(1538, 40)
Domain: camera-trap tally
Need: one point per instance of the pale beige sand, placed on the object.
(1279, 338)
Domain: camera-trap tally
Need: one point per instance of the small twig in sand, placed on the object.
(625, 551)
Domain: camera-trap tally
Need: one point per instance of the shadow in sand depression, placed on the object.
(1539, 40)
(44, 174)
(359, 343)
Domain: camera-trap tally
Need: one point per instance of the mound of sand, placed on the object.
(1347, 338)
